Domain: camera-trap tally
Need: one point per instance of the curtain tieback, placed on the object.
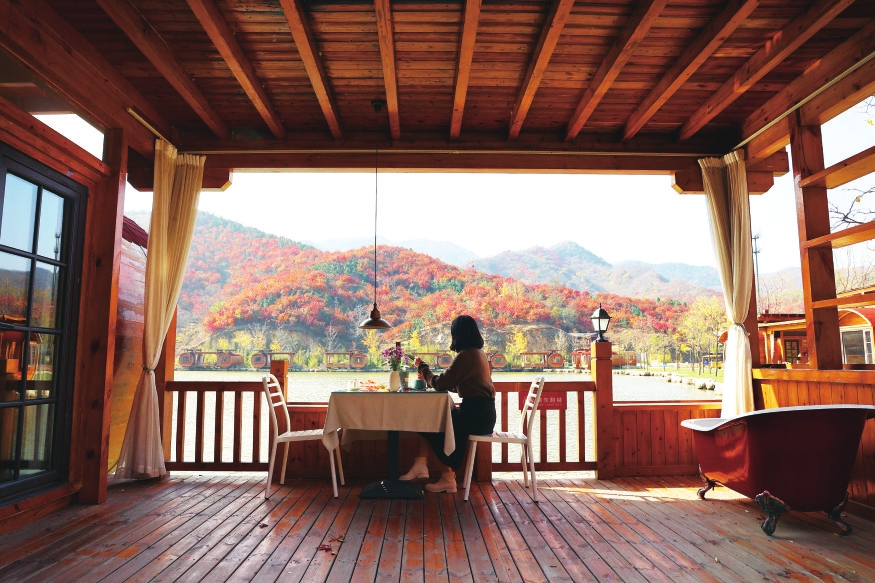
(147, 369)
(743, 329)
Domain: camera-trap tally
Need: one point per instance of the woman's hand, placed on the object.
(417, 362)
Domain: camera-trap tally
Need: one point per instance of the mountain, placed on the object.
(444, 250)
(571, 265)
(243, 283)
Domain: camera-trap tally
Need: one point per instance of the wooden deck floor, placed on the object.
(219, 528)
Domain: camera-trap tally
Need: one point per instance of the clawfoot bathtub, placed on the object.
(796, 458)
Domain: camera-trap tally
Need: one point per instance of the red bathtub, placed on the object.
(797, 458)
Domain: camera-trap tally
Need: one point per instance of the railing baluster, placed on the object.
(563, 454)
(220, 424)
(505, 397)
(581, 424)
(256, 428)
(199, 429)
(238, 425)
(180, 426)
(543, 438)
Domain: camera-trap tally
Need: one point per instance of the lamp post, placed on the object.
(600, 320)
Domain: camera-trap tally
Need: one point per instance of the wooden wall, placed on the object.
(649, 439)
(790, 388)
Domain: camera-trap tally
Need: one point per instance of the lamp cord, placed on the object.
(376, 201)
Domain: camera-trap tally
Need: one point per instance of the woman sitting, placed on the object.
(471, 376)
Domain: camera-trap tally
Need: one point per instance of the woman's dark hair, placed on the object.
(465, 334)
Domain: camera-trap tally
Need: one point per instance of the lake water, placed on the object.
(317, 387)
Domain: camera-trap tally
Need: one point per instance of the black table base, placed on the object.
(391, 488)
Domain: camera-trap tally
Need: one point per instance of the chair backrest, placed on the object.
(275, 400)
(530, 405)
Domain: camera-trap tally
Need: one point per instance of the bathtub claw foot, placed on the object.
(836, 516)
(774, 507)
(709, 485)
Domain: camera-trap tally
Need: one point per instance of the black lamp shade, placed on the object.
(375, 322)
(600, 321)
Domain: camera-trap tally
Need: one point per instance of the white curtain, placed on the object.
(725, 182)
(178, 180)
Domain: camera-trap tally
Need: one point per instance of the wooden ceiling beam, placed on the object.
(223, 38)
(470, 20)
(832, 68)
(302, 32)
(385, 32)
(705, 44)
(618, 55)
(57, 52)
(454, 161)
(149, 42)
(840, 96)
(778, 48)
(556, 19)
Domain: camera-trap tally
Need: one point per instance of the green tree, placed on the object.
(371, 340)
(516, 346)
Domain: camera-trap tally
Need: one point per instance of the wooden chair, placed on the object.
(275, 400)
(528, 414)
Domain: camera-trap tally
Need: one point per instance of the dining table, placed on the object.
(379, 415)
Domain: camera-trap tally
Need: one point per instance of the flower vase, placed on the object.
(405, 376)
(394, 381)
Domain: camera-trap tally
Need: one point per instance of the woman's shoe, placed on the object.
(419, 470)
(447, 483)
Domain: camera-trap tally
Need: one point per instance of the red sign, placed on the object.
(549, 401)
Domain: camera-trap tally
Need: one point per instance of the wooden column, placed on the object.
(602, 374)
(818, 272)
(280, 369)
(751, 325)
(164, 373)
(97, 325)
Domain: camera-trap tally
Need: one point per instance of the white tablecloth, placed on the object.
(369, 415)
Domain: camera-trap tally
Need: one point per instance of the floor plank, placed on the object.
(211, 527)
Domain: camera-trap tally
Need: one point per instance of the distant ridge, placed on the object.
(444, 250)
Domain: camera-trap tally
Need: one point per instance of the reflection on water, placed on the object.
(317, 387)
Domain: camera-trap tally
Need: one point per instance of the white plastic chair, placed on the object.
(275, 400)
(527, 421)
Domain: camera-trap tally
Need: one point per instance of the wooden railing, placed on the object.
(237, 428)
(575, 395)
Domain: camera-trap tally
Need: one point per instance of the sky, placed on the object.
(616, 217)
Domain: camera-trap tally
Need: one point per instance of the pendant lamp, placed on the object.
(375, 321)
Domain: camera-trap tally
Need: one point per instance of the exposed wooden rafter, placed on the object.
(556, 19)
(463, 64)
(309, 52)
(55, 50)
(704, 45)
(618, 55)
(385, 32)
(837, 65)
(220, 33)
(131, 22)
(781, 45)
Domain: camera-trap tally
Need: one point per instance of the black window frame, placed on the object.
(75, 195)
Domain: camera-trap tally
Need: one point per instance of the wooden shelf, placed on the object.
(849, 301)
(856, 166)
(843, 238)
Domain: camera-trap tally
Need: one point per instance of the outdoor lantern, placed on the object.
(600, 320)
(375, 321)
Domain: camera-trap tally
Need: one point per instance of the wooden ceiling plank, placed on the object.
(705, 44)
(223, 38)
(385, 32)
(305, 42)
(56, 51)
(643, 17)
(149, 42)
(463, 64)
(779, 47)
(556, 19)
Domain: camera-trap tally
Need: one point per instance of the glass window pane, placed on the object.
(46, 283)
(852, 343)
(36, 440)
(14, 283)
(8, 433)
(19, 212)
(41, 366)
(51, 222)
(11, 363)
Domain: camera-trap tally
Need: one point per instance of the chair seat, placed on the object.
(502, 437)
(304, 435)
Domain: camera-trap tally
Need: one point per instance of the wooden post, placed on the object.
(818, 272)
(163, 374)
(602, 374)
(97, 325)
(280, 369)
